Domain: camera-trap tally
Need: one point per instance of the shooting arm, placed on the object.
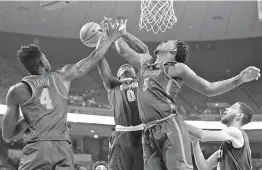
(82, 67)
(136, 43)
(201, 85)
(105, 72)
(11, 117)
(134, 58)
(200, 160)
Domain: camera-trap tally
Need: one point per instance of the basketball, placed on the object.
(90, 33)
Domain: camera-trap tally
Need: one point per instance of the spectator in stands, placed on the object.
(100, 165)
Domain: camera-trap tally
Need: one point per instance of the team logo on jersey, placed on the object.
(41, 82)
(149, 72)
(129, 86)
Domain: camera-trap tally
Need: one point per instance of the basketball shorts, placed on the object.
(47, 155)
(125, 151)
(166, 145)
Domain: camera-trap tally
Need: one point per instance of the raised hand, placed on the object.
(249, 74)
(121, 22)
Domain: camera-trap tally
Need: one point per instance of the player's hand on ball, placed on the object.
(249, 74)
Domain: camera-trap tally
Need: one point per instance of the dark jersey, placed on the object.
(157, 91)
(46, 111)
(235, 158)
(123, 99)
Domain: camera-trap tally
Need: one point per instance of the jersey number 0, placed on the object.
(130, 95)
(45, 99)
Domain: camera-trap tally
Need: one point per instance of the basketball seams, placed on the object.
(86, 32)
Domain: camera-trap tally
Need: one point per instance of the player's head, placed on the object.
(126, 71)
(33, 59)
(173, 50)
(239, 113)
(100, 165)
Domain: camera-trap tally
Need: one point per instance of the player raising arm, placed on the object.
(43, 100)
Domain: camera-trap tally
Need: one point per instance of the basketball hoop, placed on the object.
(157, 15)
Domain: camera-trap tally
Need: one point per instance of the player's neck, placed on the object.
(235, 124)
(161, 58)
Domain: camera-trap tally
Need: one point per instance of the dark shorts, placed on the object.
(47, 155)
(166, 146)
(125, 151)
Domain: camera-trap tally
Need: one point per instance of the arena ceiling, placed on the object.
(197, 21)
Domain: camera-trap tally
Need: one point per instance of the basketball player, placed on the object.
(125, 147)
(43, 100)
(166, 141)
(234, 153)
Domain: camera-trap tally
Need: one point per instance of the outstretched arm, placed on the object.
(229, 134)
(216, 88)
(135, 43)
(105, 72)
(11, 124)
(134, 58)
(201, 163)
(82, 67)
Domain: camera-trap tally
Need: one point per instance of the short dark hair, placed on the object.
(247, 111)
(182, 53)
(29, 55)
(99, 163)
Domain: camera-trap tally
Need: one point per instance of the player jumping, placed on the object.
(166, 141)
(43, 100)
(125, 147)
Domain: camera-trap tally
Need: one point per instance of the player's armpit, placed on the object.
(12, 114)
(201, 85)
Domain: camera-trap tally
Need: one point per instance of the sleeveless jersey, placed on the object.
(123, 99)
(157, 91)
(235, 158)
(46, 111)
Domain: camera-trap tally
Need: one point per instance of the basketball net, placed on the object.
(157, 15)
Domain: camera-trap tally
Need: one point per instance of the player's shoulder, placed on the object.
(233, 131)
(16, 90)
(177, 69)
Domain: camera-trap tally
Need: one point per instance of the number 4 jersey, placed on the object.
(46, 110)
(124, 103)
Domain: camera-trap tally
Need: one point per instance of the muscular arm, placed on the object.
(11, 117)
(82, 67)
(105, 72)
(201, 163)
(201, 85)
(228, 134)
(136, 43)
(134, 58)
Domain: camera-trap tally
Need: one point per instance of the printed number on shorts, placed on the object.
(130, 95)
(145, 86)
(45, 99)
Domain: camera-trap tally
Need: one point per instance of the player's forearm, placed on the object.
(199, 157)
(105, 72)
(220, 87)
(195, 131)
(10, 121)
(83, 66)
(135, 42)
